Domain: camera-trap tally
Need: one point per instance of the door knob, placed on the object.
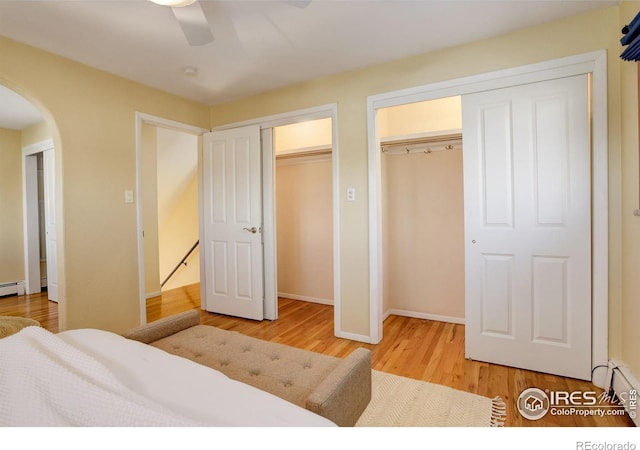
(253, 230)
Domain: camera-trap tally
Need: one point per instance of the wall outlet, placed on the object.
(351, 194)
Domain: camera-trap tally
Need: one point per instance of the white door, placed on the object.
(528, 226)
(49, 171)
(232, 222)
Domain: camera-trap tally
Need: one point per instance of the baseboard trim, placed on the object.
(354, 337)
(419, 315)
(11, 288)
(624, 384)
(149, 295)
(304, 298)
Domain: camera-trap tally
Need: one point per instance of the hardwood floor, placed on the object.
(35, 306)
(173, 301)
(421, 349)
(416, 348)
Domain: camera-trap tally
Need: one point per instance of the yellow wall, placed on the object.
(170, 233)
(421, 117)
(310, 133)
(579, 34)
(177, 235)
(630, 308)
(36, 133)
(11, 237)
(92, 118)
(11, 215)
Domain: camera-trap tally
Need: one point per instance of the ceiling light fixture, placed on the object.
(173, 3)
(190, 71)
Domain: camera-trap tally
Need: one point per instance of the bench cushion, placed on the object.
(336, 388)
(288, 372)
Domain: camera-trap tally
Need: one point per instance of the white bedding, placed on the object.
(95, 378)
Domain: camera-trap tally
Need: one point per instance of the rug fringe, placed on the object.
(498, 412)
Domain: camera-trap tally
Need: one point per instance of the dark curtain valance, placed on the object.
(631, 39)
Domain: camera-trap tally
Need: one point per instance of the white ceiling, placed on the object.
(261, 45)
(16, 113)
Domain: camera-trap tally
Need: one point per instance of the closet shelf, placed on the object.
(304, 152)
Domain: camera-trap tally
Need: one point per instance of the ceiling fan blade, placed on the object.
(194, 24)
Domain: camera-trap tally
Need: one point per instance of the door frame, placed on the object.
(267, 123)
(149, 119)
(594, 63)
(33, 282)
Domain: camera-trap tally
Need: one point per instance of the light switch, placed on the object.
(351, 194)
(128, 196)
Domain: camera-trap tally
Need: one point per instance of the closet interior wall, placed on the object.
(304, 211)
(422, 215)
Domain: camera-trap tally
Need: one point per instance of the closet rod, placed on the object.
(424, 148)
(421, 140)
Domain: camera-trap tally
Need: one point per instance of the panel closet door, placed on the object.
(527, 194)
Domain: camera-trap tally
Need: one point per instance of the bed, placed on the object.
(90, 377)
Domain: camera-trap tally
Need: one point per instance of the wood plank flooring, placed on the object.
(416, 348)
(35, 306)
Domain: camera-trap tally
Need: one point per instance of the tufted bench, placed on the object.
(335, 388)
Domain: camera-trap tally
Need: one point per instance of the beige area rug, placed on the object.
(404, 402)
(10, 325)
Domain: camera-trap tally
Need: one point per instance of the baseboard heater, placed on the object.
(15, 287)
(624, 385)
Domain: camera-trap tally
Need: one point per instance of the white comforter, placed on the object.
(96, 378)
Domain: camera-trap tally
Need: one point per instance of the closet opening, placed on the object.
(304, 211)
(422, 200)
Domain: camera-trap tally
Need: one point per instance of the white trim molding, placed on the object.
(625, 385)
(14, 287)
(420, 315)
(287, 118)
(305, 298)
(149, 295)
(38, 147)
(354, 337)
(30, 214)
(593, 63)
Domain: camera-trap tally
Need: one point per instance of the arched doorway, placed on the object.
(29, 187)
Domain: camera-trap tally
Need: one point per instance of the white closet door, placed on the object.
(528, 227)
